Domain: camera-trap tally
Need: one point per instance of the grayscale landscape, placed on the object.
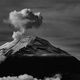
(45, 45)
(61, 21)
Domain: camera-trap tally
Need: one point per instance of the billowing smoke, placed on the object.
(28, 77)
(24, 20)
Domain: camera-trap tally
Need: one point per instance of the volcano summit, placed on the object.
(33, 55)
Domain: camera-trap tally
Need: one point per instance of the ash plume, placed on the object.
(21, 21)
(24, 20)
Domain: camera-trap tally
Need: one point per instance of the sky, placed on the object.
(61, 23)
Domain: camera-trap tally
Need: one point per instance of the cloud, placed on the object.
(28, 77)
(2, 57)
(24, 20)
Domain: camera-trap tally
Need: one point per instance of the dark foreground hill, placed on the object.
(39, 59)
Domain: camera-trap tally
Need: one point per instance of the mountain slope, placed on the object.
(36, 47)
(38, 58)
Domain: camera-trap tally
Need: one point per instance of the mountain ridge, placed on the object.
(33, 59)
(37, 47)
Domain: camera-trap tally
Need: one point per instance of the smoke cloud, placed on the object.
(21, 21)
(24, 20)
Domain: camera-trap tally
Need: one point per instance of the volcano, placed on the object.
(38, 58)
(31, 55)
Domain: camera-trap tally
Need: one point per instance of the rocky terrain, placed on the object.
(37, 47)
(39, 59)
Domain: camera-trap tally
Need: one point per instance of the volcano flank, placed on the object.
(39, 58)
